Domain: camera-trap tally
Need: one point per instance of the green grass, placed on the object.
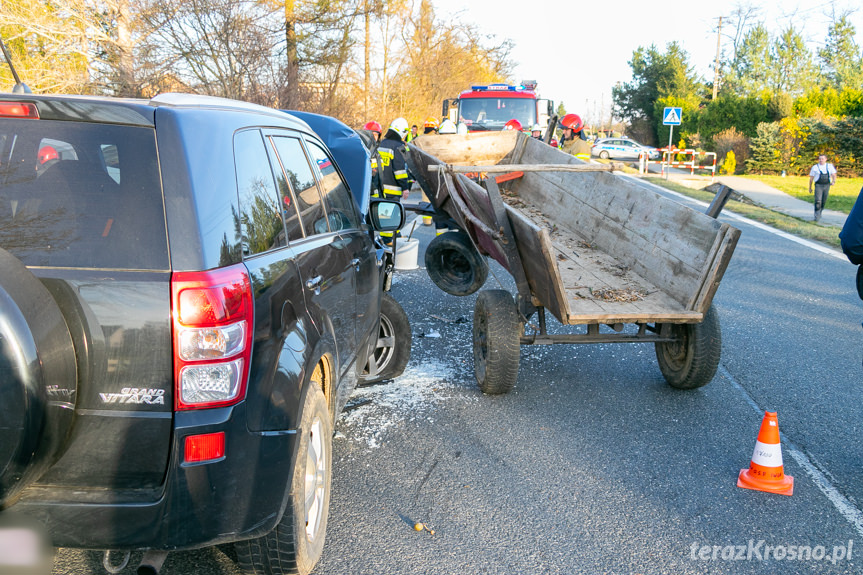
(842, 195)
(805, 229)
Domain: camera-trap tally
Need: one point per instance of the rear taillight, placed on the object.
(213, 314)
(19, 110)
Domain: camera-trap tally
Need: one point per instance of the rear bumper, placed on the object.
(237, 497)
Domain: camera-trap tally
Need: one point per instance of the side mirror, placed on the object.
(386, 215)
(450, 109)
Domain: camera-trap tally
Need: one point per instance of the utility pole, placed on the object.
(716, 61)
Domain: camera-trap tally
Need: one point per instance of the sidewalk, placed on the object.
(773, 199)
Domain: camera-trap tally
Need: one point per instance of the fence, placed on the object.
(691, 159)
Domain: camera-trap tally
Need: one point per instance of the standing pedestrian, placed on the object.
(412, 134)
(822, 176)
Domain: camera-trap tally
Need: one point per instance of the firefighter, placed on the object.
(536, 131)
(513, 125)
(374, 127)
(393, 171)
(447, 127)
(573, 140)
(431, 125)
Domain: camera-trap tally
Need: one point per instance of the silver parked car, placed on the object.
(622, 149)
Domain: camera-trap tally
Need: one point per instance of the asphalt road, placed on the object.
(593, 464)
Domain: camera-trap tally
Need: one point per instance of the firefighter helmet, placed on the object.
(513, 125)
(373, 127)
(400, 127)
(46, 154)
(431, 122)
(447, 127)
(573, 122)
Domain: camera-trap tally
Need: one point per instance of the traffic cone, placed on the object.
(765, 471)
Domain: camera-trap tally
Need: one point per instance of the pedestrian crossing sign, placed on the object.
(672, 116)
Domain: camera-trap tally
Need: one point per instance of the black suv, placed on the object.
(189, 292)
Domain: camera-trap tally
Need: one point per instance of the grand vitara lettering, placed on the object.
(145, 395)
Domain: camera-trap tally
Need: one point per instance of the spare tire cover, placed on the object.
(38, 378)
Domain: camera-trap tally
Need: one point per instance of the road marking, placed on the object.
(764, 227)
(820, 478)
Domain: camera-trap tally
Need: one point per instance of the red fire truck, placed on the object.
(490, 107)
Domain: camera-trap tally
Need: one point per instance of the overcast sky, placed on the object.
(578, 49)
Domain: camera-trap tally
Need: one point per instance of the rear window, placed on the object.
(81, 195)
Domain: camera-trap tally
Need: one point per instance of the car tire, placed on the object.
(454, 265)
(691, 361)
(496, 342)
(603, 154)
(38, 378)
(297, 542)
(392, 347)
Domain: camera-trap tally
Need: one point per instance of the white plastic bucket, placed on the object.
(406, 253)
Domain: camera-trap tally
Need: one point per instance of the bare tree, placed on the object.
(443, 58)
(72, 45)
(216, 47)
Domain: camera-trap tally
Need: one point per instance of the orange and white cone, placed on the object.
(766, 472)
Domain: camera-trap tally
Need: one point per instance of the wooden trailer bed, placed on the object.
(593, 248)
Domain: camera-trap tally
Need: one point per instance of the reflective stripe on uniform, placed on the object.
(400, 174)
(386, 156)
(392, 190)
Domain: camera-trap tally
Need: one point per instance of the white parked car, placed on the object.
(622, 149)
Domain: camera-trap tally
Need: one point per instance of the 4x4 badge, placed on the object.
(145, 395)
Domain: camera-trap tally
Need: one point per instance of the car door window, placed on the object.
(260, 216)
(292, 174)
(342, 214)
(299, 175)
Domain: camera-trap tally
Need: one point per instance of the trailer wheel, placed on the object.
(454, 265)
(496, 341)
(691, 361)
(392, 346)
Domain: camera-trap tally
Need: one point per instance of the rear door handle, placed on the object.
(314, 284)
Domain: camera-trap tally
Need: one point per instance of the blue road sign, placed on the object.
(672, 116)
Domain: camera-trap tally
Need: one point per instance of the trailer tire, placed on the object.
(454, 265)
(391, 349)
(496, 341)
(38, 379)
(692, 360)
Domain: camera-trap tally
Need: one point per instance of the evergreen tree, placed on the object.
(792, 70)
(750, 70)
(764, 148)
(841, 59)
(657, 76)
